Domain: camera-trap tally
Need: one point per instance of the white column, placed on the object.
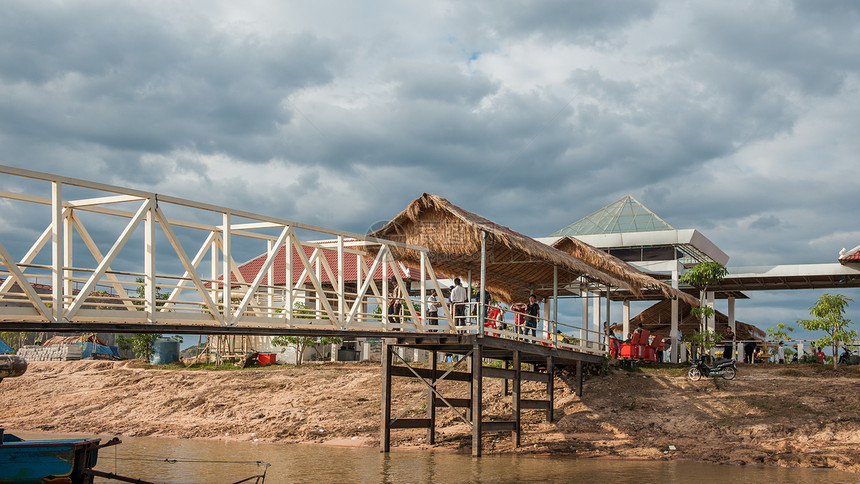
(712, 320)
(583, 336)
(732, 324)
(673, 333)
(595, 318)
(547, 307)
(625, 318)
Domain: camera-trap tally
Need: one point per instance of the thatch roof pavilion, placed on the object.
(658, 317)
(516, 265)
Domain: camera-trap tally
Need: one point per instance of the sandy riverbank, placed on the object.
(796, 415)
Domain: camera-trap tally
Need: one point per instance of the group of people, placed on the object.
(457, 299)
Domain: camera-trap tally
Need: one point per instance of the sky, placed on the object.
(737, 118)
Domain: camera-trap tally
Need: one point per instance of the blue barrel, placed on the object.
(164, 351)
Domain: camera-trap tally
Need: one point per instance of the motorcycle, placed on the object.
(848, 358)
(720, 367)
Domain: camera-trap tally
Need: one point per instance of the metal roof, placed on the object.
(623, 215)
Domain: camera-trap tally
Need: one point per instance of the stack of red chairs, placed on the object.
(493, 319)
(629, 350)
(638, 348)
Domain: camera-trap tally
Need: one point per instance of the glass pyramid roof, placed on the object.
(624, 215)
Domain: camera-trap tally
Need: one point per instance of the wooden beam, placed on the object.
(498, 426)
(455, 402)
(428, 374)
(534, 404)
(477, 399)
(490, 372)
(516, 403)
(410, 423)
(385, 438)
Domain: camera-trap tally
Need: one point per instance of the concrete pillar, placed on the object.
(732, 324)
(625, 318)
(674, 332)
(595, 319)
(583, 336)
(712, 320)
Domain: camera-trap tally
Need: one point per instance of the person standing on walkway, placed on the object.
(433, 306)
(395, 303)
(532, 312)
(780, 353)
(729, 343)
(458, 300)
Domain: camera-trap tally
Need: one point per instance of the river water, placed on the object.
(205, 461)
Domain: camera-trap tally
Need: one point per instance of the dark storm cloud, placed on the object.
(119, 77)
(812, 48)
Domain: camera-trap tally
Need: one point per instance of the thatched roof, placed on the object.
(618, 268)
(516, 264)
(658, 320)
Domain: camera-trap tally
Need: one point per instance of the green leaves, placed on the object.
(829, 312)
(780, 332)
(705, 274)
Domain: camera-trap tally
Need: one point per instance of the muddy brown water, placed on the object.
(207, 461)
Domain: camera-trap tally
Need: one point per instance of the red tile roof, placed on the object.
(850, 258)
(250, 269)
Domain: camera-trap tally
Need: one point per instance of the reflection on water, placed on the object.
(218, 461)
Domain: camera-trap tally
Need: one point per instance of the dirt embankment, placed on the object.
(794, 415)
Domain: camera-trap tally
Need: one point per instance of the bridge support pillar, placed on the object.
(477, 399)
(431, 399)
(385, 438)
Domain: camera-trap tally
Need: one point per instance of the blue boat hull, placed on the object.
(47, 461)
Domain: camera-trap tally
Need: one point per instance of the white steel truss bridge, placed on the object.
(81, 256)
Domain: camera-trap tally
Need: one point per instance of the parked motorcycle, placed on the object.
(848, 358)
(721, 367)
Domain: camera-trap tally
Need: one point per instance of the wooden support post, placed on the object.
(507, 390)
(579, 378)
(550, 386)
(431, 407)
(385, 439)
(515, 403)
(477, 400)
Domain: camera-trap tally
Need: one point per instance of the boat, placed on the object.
(12, 366)
(49, 461)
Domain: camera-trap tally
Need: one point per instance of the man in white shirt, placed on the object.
(458, 300)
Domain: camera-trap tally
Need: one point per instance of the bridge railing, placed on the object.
(75, 251)
(101, 253)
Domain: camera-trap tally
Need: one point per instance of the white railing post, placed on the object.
(341, 282)
(226, 271)
(57, 252)
(149, 264)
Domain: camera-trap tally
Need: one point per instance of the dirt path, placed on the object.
(795, 415)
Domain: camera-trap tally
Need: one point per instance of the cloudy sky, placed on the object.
(735, 118)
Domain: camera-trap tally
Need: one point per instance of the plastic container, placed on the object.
(164, 351)
(267, 358)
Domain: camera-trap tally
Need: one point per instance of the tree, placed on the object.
(141, 344)
(779, 333)
(829, 312)
(301, 343)
(701, 276)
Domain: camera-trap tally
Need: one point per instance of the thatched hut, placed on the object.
(516, 265)
(658, 317)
